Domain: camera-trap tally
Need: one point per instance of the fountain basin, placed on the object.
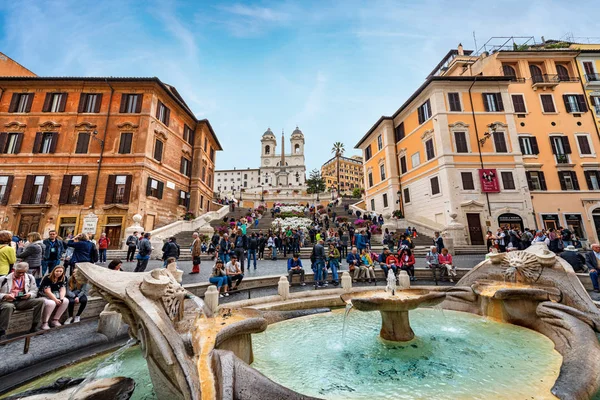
(394, 308)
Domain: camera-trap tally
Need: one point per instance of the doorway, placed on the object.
(475, 231)
(113, 231)
(27, 224)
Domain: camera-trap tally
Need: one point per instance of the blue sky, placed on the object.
(330, 67)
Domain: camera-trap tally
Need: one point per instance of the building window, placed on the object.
(509, 70)
(529, 145)
(158, 150)
(500, 142)
(45, 142)
(83, 142)
(379, 143)
(10, 143)
(454, 102)
(163, 113)
(561, 148)
(382, 171)
(492, 102)
(131, 103)
(590, 72)
(370, 178)
(536, 180)
(73, 189)
(547, 103)
(460, 140)
(21, 103)
(424, 112)
(188, 134)
(568, 180)
(575, 103)
(584, 145)
(508, 181)
(519, 103)
(403, 168)
(435, 185)
(154, 188)
(118, 189)
(125, 143)
(185, 167)
(429, 151)
(36, 189)
(205, 143)
(183, 199)
(563, 73)
(55, 102)
(415, 159)
(467, 181)
(89, 103)
(5, 187)
(368, 153)
(372, 204)
(212, 154)
(591, 177)
(399, 132)
(406, 195)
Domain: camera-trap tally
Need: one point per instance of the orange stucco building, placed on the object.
(87, 154)
(535, 99)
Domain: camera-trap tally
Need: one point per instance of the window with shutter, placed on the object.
(55, 102)
(519, 103)
(568, 180)
(90, 103)
(435, 185)
(368, 153)
(385, 200)
(6, 183)
(370, 178)
(528, 145)
(429, 150)
(454, 102)
(584, 145)
(131, 103)
(535, 180)
(12, 143)
(163, 113)
(492, 102)
(21, 103)
(382, 171)
(508, 70)
(467, 181)
(460, 140)
(379, 143)
(403, 168)
(406, 195)
(424, 112)
(500, 142)
(158, 150)
(574, 103)
(125, 143)
(508, 182)
(592, 179)
(83, 141)
(399, 132)
(547, 103)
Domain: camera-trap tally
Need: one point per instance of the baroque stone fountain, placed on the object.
(200, 351)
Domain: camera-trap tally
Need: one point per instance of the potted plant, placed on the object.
(397, 214)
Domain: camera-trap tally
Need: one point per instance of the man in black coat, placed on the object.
(576, 260)
(591, 261)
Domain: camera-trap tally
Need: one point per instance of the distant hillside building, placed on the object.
(351, 173)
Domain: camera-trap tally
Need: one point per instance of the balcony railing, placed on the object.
(592, 78)
(596, 107)
(562, 159)
(515, 79)
(546, 78)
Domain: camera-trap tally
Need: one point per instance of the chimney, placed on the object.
(460, 50)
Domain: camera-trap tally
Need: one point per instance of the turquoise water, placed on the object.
(129, 364)
(455, 356)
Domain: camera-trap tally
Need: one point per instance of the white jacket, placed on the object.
(6, 283)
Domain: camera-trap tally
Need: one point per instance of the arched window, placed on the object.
(267, 149)
(563, 72)
(536, 74)
(297, 149)
(509, 71)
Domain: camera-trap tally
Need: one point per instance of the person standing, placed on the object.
(333, 263)
(144, 251)
(224, 247)
(32, 253)
(18, 291)
(320, 269)
(262, 242)
(500, 237)
(53, 251)
(240, 248)
(360, 241)
(272, 245)
(82, 250)
(103, 244)
(170, 249)
(132, 243)
(8, 255)
(344, 240)
(196, 250)
(252, 248)
(438, 242)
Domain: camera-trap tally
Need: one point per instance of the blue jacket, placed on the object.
(58, 245)
(360, 241)
(352, 257)
(292, 263)
(81, 250)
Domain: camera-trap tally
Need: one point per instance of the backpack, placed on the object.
(93, 254)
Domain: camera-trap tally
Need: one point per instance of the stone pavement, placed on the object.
(279, 267)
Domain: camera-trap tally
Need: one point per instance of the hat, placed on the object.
(570, 248)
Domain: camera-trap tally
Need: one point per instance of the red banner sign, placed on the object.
(489, 181)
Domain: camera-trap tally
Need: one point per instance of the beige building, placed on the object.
(351, 173)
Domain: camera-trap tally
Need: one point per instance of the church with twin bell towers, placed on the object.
(281, 169)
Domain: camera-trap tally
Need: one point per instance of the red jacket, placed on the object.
(411, 260)
(103, 243)
(391, 259)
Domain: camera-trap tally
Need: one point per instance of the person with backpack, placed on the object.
(252, 248)
(19, 291)
(144, 251)
(131, 242)
(241, 244)
(170, 249)
(83, 251)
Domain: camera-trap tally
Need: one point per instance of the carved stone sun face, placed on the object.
(521, 266)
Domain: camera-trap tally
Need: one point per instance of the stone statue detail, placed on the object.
(521, 266)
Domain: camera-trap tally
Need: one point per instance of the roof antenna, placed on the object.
(475, 40)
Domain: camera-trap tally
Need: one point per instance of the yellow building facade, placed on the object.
(537, 100)
(351, 174)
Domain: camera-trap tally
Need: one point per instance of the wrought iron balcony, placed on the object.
(544, 81)
(592, 79)
(562, 159)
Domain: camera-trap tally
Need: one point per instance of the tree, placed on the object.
(315, 183)
(357, 192)
(338, 150)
